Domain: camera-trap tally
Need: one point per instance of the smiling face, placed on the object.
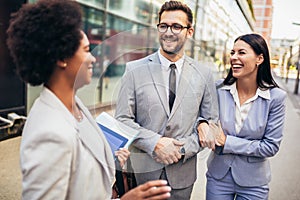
(81, 64)
(244, 62)
(172, 45)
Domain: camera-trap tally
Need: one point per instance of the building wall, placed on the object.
(263, 11)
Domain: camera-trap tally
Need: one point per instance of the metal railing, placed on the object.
(12, 126)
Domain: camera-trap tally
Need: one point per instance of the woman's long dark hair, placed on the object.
(264, 76)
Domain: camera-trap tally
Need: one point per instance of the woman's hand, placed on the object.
(216, 129)
(221, 139)
(122, 155)
(151, 190)
(206, 138)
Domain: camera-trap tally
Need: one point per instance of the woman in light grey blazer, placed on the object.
(252, 110)
(64, 154)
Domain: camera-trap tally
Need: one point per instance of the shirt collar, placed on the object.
(259, 92)
(263, 93)
(166, 63)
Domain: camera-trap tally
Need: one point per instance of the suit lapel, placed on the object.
(156, 74)
(105, 159)
(252, 117)
(227, 110)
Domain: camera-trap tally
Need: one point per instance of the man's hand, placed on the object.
(206, 136)
(167, 150)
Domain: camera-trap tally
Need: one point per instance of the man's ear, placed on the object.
(62, 64)
(190, 32)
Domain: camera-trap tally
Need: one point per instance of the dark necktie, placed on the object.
(172, 86)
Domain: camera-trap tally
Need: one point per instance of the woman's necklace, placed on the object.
(77, 113)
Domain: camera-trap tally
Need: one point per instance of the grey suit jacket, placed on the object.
(143, 104)
(60, 162)
(247, 152)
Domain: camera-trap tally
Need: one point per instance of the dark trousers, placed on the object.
(178, 194)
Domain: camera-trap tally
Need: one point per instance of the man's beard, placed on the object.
(171, 51)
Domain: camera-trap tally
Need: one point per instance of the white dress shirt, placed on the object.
(165, 63)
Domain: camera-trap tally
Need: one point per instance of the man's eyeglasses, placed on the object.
(175, 28)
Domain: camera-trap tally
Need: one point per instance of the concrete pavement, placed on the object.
(285, 182)
(10, 174)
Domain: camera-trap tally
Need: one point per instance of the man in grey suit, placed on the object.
(164, 102)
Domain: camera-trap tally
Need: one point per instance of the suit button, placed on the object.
(168, 128)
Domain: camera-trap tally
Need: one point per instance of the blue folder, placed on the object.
(115, 140)
(117, 133)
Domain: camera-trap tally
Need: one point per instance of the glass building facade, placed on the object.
(123, 30)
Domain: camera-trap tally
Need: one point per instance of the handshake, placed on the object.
(211, 134)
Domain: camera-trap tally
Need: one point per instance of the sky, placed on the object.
(285, 12)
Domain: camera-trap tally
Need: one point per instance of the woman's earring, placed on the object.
(65, 64)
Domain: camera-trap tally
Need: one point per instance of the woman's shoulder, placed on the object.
(43, 119)
(219, 83)
(277, 93)
(277, 96)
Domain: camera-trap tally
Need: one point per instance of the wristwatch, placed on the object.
(182, 150)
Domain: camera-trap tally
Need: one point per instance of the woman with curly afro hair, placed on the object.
(64, 154)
